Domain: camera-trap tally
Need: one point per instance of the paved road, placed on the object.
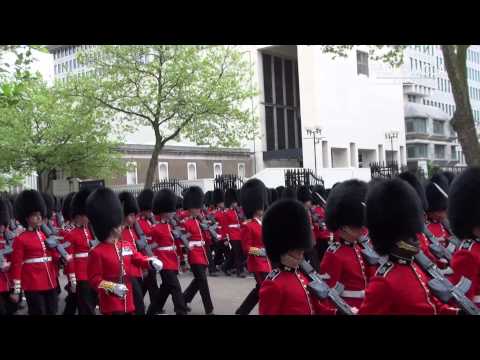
(227, 294)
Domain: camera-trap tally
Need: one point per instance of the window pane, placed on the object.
(280, 129)
(289, 82)
(269, 127)
(291, 130)
(438, 127)
(267, 78)
(278, 80)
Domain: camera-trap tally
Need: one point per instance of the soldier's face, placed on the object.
(438, 215)
(351, 233)
(130, 219)
(34, 219)
(195, 212)
(81, 220)
(221, 205)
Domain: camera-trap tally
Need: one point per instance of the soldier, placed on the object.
(304, 195)
(221, 245)
(232, 223)
(5, 303)
(287, 234)
(146, 222)
(322, 234)
(109, 262)
(80, 239)
(197, 257)
(289, 193)
(280, 189)
(436, 191)
(164, 206)
(32, 265)
(343, 261)
(399, 287)
(464, 216)
(252, 198)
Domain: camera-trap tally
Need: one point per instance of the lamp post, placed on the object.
(390, 135)
(315, 134)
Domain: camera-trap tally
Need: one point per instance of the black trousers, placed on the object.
(211, 264)
(86, 298)
(199, 283)
(138, 295)
(7, 307)
(252, 298)
(150, 284)
(42, 302)
(71, 303)
(221, 252)
(235, 258)
(170, 286)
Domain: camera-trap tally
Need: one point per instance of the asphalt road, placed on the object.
(227, 294)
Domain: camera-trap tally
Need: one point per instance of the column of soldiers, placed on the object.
(390, 246)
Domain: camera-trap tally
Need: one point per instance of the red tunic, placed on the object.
(133, 267)
(322, 234)
(197, 254)
(166, 250)
(466, 262)
(4, 275)
(222, 230)
(401, 289)
(344, 263)
(38, 276)
(284, 292)
(251, 235)
(439, 231)
(79, 238)
(232, 224)
(147, 227)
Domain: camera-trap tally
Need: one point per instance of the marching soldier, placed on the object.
(232, 223)
(464, 216)
(343, 261)
(305, 197)
(32, 267)
(287, 234)
(252, 198)
(221, 245)
(164, 206)
(80, 239)
(197, 257)
(436, 191)
(322, 234)
(109, 262)
(394, 217)
(145, 220)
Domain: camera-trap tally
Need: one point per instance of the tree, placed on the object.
(197, 92)
(46, 132)
(455, 58)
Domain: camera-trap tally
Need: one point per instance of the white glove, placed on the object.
(156, 264)
(120, 290)
(6, 266)
(354, 310)
(73, 283)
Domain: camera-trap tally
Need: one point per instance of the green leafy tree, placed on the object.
(455, 59)
(197, 92)
(46, 132)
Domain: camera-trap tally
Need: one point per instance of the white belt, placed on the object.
(3, 242)
(38, 260)
(476, 299)
(196, 243)
(359, 294)
(234, 226)
(81, 255)
(167, 248)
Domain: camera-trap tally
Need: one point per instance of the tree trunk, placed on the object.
(40, 181)
(462, 121)
(153, 164)
(52, 175)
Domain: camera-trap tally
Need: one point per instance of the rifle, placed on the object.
(322, 291)
(372, 257)
(52, 242)
(241, 217)
(443, 289)
(13, 225)
(205, 225)
(178, 234)
(453, 242)
(60, 218)
(142, 243)
(437, 249)
(94, 242)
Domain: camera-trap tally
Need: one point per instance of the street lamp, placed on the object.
(315, 134)
(390, 135)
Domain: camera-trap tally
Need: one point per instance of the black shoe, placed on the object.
(214, 274)
(210, 313)
(188, 308)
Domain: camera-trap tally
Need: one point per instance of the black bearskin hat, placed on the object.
(252, 197)
(77, 207)
(394, 213)
(464, 203)
(304, 194)
(145, 199)
(67, 207)
(450, 176)
(285, 226)
(280, 189)
(129, 203)
(289, 193)
(318, 190)
(193, 198)
(435, 199)
(164, 201)
(4, 213)
(218, 196)
(417, 186)
(28, 202)
(208, 198)
(230, 197)
(104, 210)
(179, 202)
(49, 203)
(273, 195)
(344, 205)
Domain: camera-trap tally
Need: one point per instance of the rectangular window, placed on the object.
(453, 153)
(439, 151)
(278, 73)
(217, 169)
(417, 150)
(289, 82)
(290, 129)
(416, 125)
(241, 170)
(280, 128)
(438, 127)
(362, 63)
(267, 78)
(270, 128)
(191, 171)
(132, 173)
(163, 170)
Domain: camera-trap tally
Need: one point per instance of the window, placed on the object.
(132, 173)
(453, 153)
(362, 63)
(416, 125)
(417, 150)
(241, 170)
(439, 151)
(411, 63)
(191, 171)
(416, 64)
(74, 63)
(438, 127)
(163, 170)
(217, 169)
(70, 65)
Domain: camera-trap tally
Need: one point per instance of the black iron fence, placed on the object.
(228, 181)
(388, 170)
(172, 184)
(298, 177)
(453, 169)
